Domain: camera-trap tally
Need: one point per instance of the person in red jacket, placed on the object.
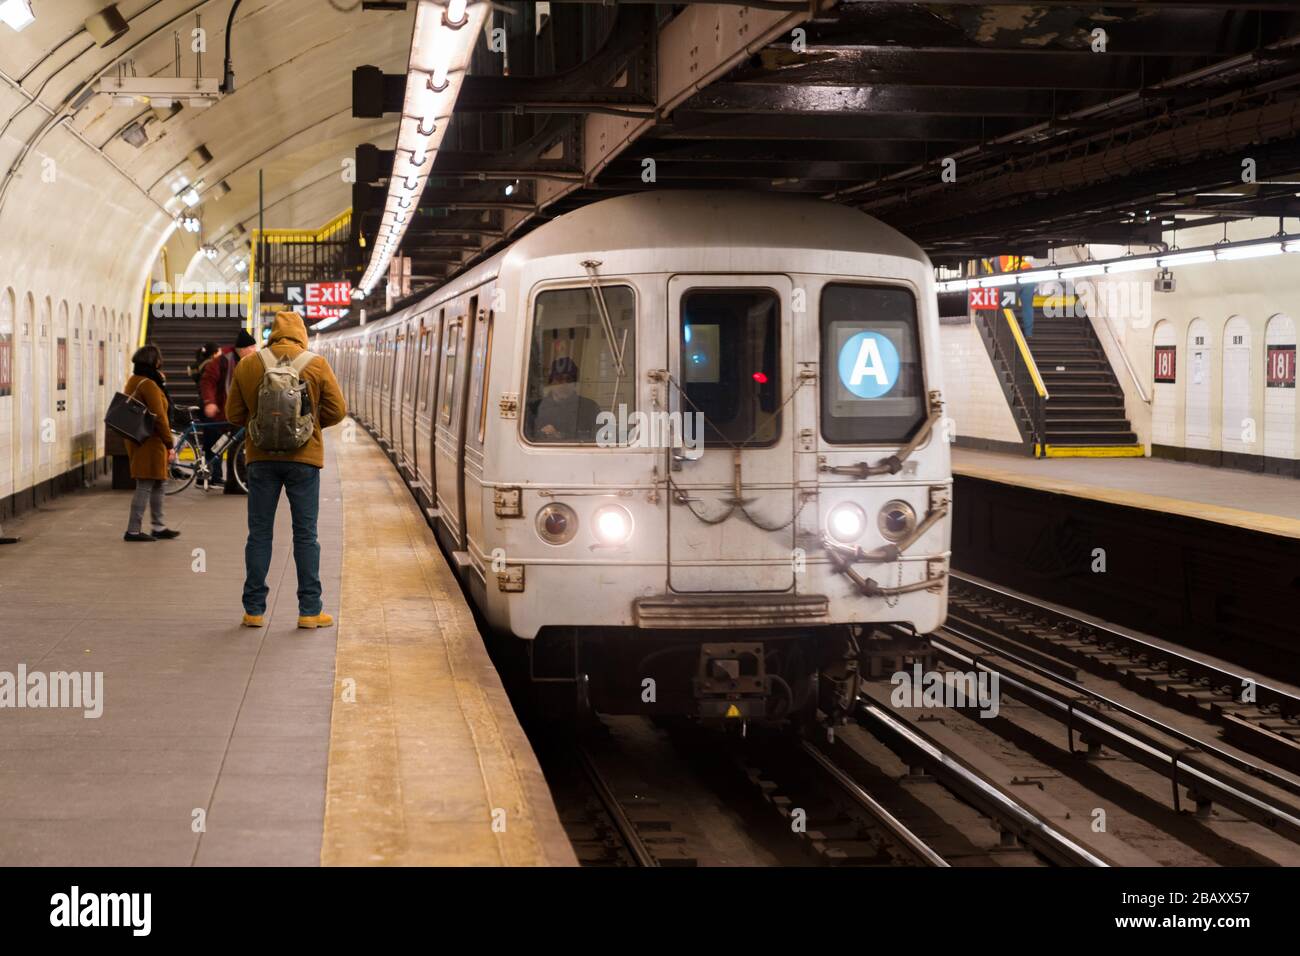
(214, 385)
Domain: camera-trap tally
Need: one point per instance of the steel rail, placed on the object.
(1241, 763)
(890, 823)
(1285, 701)
(626, 828)
(1032, 830)
(1182, 767)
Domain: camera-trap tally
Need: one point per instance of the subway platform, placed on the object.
(388, 740)
(1269, 504)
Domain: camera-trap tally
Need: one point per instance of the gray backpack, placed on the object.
(280, 425)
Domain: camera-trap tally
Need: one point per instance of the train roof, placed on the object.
(684, 219)
(695, 218)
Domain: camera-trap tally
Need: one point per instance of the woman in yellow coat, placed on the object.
(150, 460)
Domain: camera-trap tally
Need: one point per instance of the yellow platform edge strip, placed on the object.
(1095, 451)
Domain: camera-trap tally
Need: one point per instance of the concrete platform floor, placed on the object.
(1268, 503)
(215, 743)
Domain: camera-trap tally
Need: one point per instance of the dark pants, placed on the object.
(302, 484)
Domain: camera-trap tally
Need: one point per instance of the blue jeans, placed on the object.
(301, 483)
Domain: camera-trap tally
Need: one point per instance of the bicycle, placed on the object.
(191, 462)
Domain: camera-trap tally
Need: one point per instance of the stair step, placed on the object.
(1064, 425)
(1091, 438)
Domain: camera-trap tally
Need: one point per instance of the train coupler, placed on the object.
(731, 682)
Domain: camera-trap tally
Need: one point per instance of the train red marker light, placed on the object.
(760, 378)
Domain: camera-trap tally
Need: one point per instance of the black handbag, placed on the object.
(130, 417)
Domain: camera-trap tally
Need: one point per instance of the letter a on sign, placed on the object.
(868, 365)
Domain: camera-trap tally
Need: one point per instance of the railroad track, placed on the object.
(1255, 716)
(644, 835)
(1191, 765)
(823, 805)
(1014, 818)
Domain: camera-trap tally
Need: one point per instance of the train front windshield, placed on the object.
(873, 391)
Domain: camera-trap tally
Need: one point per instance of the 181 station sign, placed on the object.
(318, 300)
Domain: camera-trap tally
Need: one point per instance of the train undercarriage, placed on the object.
(773, 676)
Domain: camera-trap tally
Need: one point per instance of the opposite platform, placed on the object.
(1264, 503)
(216, 742)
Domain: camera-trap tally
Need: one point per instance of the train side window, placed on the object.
(426, 367)
(482, 365)
(573, 372)
(873, 390)
(731, 364)
(449, 368)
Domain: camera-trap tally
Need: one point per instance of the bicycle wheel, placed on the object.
(181, 472)
(238, 465)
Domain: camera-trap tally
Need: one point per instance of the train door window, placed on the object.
(873, 389)
(578, 366)
(485, 373)
(426, 367)
(452, 341)
(410, 365)
(731, 364)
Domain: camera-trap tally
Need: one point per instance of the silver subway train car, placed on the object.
(682, 448)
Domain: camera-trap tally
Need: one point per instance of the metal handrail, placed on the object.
(1026, 355)
(1123, 353)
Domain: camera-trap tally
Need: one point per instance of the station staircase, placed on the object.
(179, 338)
(1061, 388)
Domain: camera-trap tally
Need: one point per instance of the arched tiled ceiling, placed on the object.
(289, 116)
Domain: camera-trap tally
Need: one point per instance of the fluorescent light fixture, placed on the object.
(1078, 272)
(1000, 279)
(1292, 245)
(190, 197)
(1035, 276)
(1187, 258)
(17, 13)
(441, 44)
(1252, 251)
(1133, 265)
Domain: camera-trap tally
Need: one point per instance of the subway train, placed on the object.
(682, 448)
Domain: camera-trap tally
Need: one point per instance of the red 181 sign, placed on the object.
(1280, 371)
(1166, 362)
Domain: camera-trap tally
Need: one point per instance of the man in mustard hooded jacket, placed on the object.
(296, 472)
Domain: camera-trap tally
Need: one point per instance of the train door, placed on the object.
(424, 426)
(1238, 426)
(450, 429)
(410, 385)
(732, 500)
(399, 406)
(1196, 427)
(386, 390)
(1279, 388)
(476, 427)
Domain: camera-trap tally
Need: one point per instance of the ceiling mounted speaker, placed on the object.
(106, 25)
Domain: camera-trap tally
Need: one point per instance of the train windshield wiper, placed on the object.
(615, 348)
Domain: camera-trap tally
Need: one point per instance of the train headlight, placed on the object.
(557, 523)
(613, 524)
(896, 520)
(846, 522)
